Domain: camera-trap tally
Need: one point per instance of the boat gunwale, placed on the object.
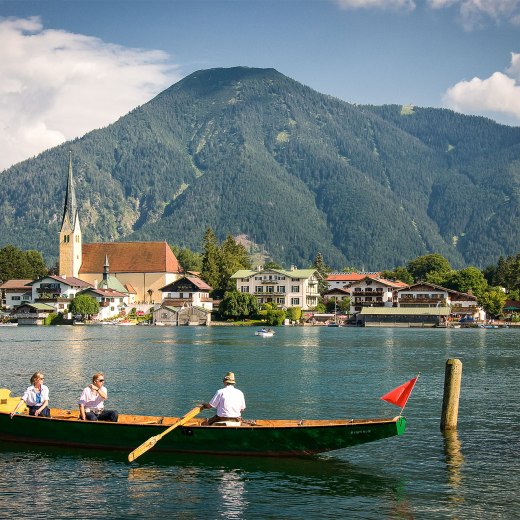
(67, 416)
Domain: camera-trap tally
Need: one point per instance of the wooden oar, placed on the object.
(152, 441)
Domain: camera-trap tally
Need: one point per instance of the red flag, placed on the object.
(400, 395)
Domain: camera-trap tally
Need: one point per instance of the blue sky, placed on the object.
(67, 67)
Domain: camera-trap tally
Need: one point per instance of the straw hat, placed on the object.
(229, 378)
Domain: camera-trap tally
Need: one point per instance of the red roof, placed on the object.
(350, 277)
(129, 257)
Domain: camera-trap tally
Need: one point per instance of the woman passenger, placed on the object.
(36, 397)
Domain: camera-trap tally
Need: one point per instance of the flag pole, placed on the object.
(416, 379)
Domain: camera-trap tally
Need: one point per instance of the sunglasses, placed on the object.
(100, 380)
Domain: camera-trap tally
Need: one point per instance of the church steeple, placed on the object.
(70, 233)
(70, 209)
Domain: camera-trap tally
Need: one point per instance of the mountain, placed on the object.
(251, 151)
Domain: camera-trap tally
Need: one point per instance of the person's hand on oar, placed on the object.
(152, 441)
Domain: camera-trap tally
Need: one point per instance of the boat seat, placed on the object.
(227, 423)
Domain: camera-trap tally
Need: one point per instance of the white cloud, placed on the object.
(475, 12)
(498, 94)
(377, 4)
(58, 85)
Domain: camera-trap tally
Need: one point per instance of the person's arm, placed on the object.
(42, 407)
(206, 405)
(100, 391)
(16, 407)
(82, 412)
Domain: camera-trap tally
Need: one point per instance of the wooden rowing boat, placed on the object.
(259, 437)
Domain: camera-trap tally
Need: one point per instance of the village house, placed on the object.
(372, 291)
(14, 293)
(427, 295)
(293, 288)
(166, 315)
(187, 291)
(345, 280)
(56, 291)
(32, 313)
(111, 303)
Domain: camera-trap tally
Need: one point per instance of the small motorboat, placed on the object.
(265, 333)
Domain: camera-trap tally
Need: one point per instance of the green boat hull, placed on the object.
(263, 438)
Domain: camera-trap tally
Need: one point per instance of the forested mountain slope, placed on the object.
(250, 151)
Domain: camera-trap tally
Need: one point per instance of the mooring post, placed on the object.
(450, 402)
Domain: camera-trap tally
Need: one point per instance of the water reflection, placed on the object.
(454, 462)
(232, 494)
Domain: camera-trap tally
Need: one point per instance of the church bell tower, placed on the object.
(70, 233)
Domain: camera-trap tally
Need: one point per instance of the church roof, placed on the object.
(129, 257)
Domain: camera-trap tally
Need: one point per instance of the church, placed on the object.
(142, 268)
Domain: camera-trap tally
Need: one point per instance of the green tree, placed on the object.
(422, 266)
(84, 305)
(294, 313)
(14, 264)
(211, 259)
(465, 280)
(492, 301)
(238, 306)
(37, 264)
(399, 273)
(233, 257)
(323, 271)
(189, 260)
(275, 317)
(272, 265)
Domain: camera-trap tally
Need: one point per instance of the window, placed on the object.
(270, 288)
(295, 301)
(295, 288)
(244, 289)
(259, 289)
(281, 289)
(280, 301)
(15, 298)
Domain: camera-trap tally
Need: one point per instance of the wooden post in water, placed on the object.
(450, 402)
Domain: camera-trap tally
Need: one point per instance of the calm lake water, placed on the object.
(300, 373)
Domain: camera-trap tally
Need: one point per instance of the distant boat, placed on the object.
(8, 324)
(488, 326)
(265, 333)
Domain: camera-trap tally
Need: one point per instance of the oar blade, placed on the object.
(152, 441)
(143, 448)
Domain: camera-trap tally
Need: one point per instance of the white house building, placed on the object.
(187, 291)
(15, 293)
(57, 291)
(111, 302)
(372, 291)
(293, 288)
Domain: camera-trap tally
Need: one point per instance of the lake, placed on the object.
(300, 373)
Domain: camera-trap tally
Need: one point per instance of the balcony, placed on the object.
(368, 293)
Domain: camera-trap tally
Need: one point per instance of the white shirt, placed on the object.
(229, 402)
(33, 397)
(91, 400)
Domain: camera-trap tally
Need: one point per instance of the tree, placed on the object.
(465, 280)
(189, 260)
(233, 257)
(422, 266)
(399, 273)
(14, 264)
(323, 271)
(237, 305)
(492, 301)
(84, 304)
(37, 264)
(272, 265)
(294, 313)
(210, 259)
